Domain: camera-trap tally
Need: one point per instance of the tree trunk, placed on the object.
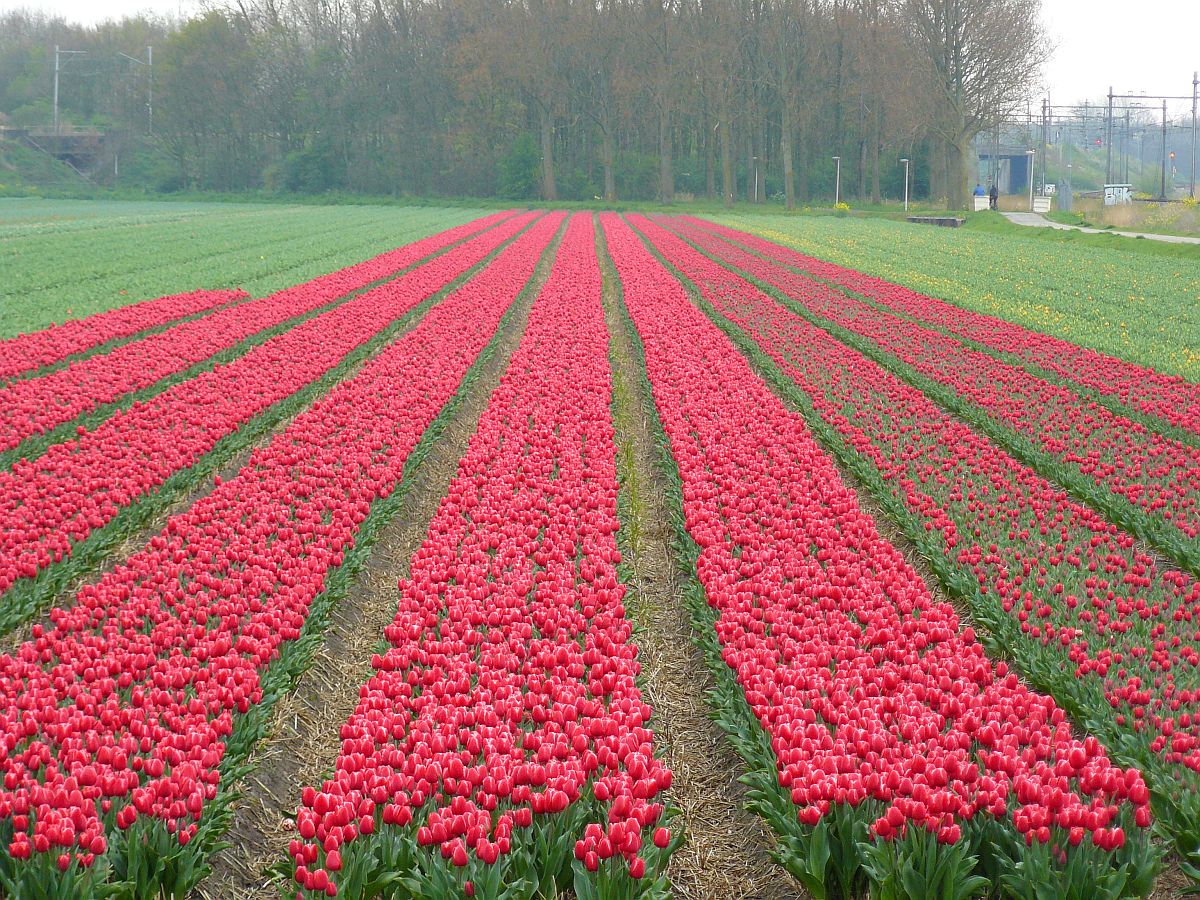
(862, 169)
(710, 161)
(876, 141)
(549, 191)
(785, 150)
(751, 168)
(960, 165)
(937, 170)
(666, 173)
(764, 160)
(727, 182)
(609, 153)
(802, 188)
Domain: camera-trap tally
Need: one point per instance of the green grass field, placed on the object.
(1137, 300)
(1134, 299)
(66, 259)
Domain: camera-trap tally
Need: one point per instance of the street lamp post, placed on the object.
(1029, 154)
(755, 179)
(149, 63)
(57, 66)
(905, 161)
(837, 183)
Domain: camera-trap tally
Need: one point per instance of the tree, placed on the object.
(980, 61)
(205, 81)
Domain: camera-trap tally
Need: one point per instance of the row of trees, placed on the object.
(554, 99)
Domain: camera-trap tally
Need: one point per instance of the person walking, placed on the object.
(993, 195)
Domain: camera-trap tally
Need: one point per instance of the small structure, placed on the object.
(1041, 204)
(1118, 194)
(82, 149)
(1011, 165)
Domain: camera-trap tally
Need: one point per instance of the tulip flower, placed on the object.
(512, 624)
(877, 702)
(130, 696)
(26, 353)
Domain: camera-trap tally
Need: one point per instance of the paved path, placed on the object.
(1037, 220)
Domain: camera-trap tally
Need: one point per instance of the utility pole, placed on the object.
(1045, 138)
(1125, 149)
(1029, 154)
(149, 63)
(57, 66)
(1162, 191)
(1068, 194)
(1195, 96)
(1108, 166)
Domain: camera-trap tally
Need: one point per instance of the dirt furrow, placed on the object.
(727, 850)
(306, 729)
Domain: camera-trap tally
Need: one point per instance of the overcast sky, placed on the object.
(1132, 45)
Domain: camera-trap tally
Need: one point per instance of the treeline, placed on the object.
(550, 99)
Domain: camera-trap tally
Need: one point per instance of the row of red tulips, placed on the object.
(1076, 441)
(49, 505)
(36, 405)
(121, 718)
(1167, 397)
(903, 753)
(1118, 635)
(28, 352)
(504, 727)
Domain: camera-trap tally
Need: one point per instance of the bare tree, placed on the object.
(981, 60)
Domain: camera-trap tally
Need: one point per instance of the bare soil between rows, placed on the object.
(306, 724)
(727, 850)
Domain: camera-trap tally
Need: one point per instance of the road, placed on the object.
(1037, 220)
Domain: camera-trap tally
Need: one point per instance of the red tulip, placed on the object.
(28, 352)
(866, 686)
(49, 504)
(189, 624)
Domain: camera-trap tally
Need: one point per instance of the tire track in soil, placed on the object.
(727, 849)
(307, 722)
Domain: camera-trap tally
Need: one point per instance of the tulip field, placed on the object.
(938, 571)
